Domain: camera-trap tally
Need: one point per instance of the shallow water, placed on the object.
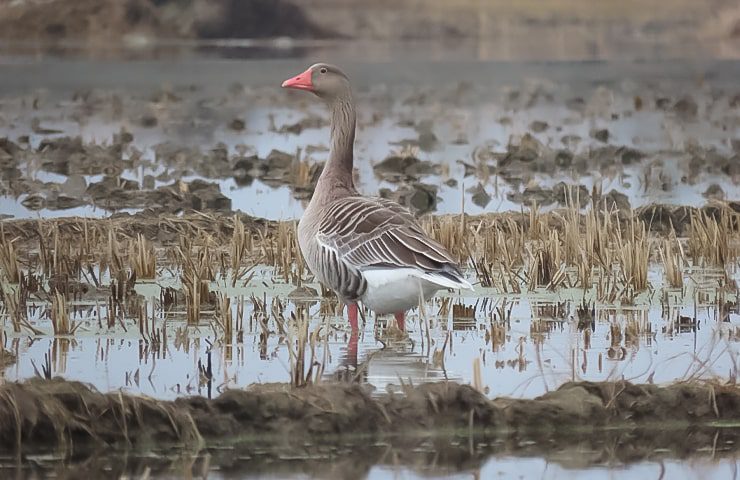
(442, 457)
(542, 342)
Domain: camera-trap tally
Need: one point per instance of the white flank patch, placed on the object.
(398, 289)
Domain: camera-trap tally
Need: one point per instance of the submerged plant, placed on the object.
(12, 301)
(224, 317)
(191, 285)
(302, 340)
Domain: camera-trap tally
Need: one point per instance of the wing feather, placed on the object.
(366, 233)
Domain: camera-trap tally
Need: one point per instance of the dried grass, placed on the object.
(281, 251)
(452, 232)
(14, 306)
(546, 262)
(114, 258)
(59, 315)
(302, 340)
(633, 254)
(9, 260)
(672, 257)
(198, 271)
(710, 238)
(240, 248)
(143, 260)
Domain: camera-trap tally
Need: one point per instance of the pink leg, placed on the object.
(352, 311)
(352, 349)
(400, 321)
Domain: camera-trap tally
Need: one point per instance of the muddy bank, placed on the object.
(500, 29)
(163, 229)
(114, 21)
(492, 19)
(65, 414)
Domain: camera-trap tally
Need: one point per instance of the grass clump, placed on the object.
(143, 260)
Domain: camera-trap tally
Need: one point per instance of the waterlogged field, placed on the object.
(522, 344)
(191, 319)
(148, 247)
(488, 137)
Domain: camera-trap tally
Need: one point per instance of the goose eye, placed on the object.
(323, 70)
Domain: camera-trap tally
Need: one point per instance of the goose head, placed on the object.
(326, 81)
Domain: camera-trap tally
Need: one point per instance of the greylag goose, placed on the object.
(368, 250)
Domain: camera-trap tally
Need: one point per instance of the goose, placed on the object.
(366, 249)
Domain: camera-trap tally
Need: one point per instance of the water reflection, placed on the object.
(522, 346)
(683, 454)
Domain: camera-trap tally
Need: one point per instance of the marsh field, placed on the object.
(158, 320)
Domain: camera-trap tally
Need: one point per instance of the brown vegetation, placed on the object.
(513, 252)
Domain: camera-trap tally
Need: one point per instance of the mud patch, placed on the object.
(163, 228)
(6, 358)
(396, 168)
(419, 197)
(152, 225)
(75, 159)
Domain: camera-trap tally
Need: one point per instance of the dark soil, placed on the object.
(6, 358)
(395, 168)
(258, 19)
(419, 197)
(159, 228)
(112, 20)
(71, 157)
(58, 413)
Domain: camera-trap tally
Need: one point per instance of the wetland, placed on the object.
(157, 318)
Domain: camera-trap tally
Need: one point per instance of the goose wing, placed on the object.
(359, 233)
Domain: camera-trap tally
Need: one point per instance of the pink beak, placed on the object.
(300, 82)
